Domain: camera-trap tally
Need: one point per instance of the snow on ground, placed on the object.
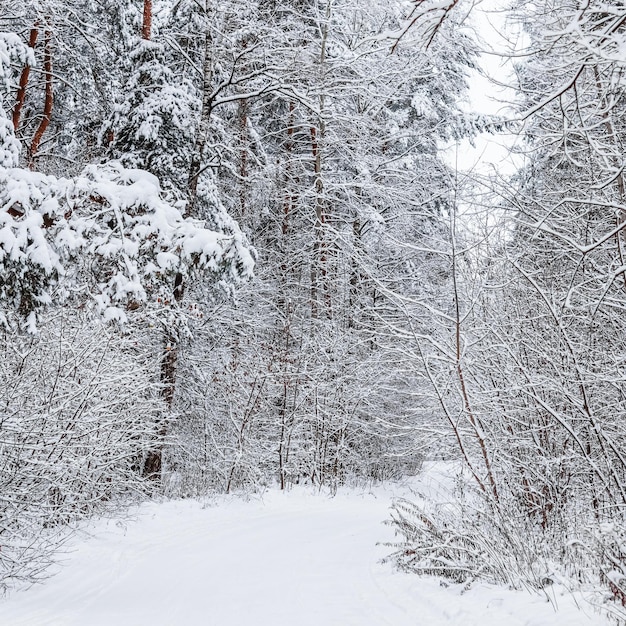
(294, 559)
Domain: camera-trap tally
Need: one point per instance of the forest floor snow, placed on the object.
(281, 559)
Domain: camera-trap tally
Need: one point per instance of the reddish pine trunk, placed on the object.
(47, 109)
(146, 26)
(21, 92)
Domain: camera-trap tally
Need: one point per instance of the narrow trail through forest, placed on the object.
(295, 559)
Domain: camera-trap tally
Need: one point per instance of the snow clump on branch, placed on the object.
(116, 220)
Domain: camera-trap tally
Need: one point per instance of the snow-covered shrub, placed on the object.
(459, 536)
(607, 547)
(463, 538)
(78, 406)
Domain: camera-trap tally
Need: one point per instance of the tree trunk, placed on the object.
(49, 99)
(146, 26)
(202, 131)
(319, 266)
(153, 464)
(21, 92)
(169, 364)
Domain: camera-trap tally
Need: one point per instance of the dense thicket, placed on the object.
(539, 342)
(327, 187)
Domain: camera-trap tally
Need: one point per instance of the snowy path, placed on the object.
(288, 560)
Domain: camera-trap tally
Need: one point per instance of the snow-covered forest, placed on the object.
(236, 256)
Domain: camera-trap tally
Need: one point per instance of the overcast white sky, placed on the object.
(489, 152)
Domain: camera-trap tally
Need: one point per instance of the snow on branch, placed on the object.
(114, 219)
(430, 15)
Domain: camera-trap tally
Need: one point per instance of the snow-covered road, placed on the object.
(293, 559)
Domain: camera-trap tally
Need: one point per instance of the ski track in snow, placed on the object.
(294, 559)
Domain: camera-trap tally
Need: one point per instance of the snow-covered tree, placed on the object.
(105, 244)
